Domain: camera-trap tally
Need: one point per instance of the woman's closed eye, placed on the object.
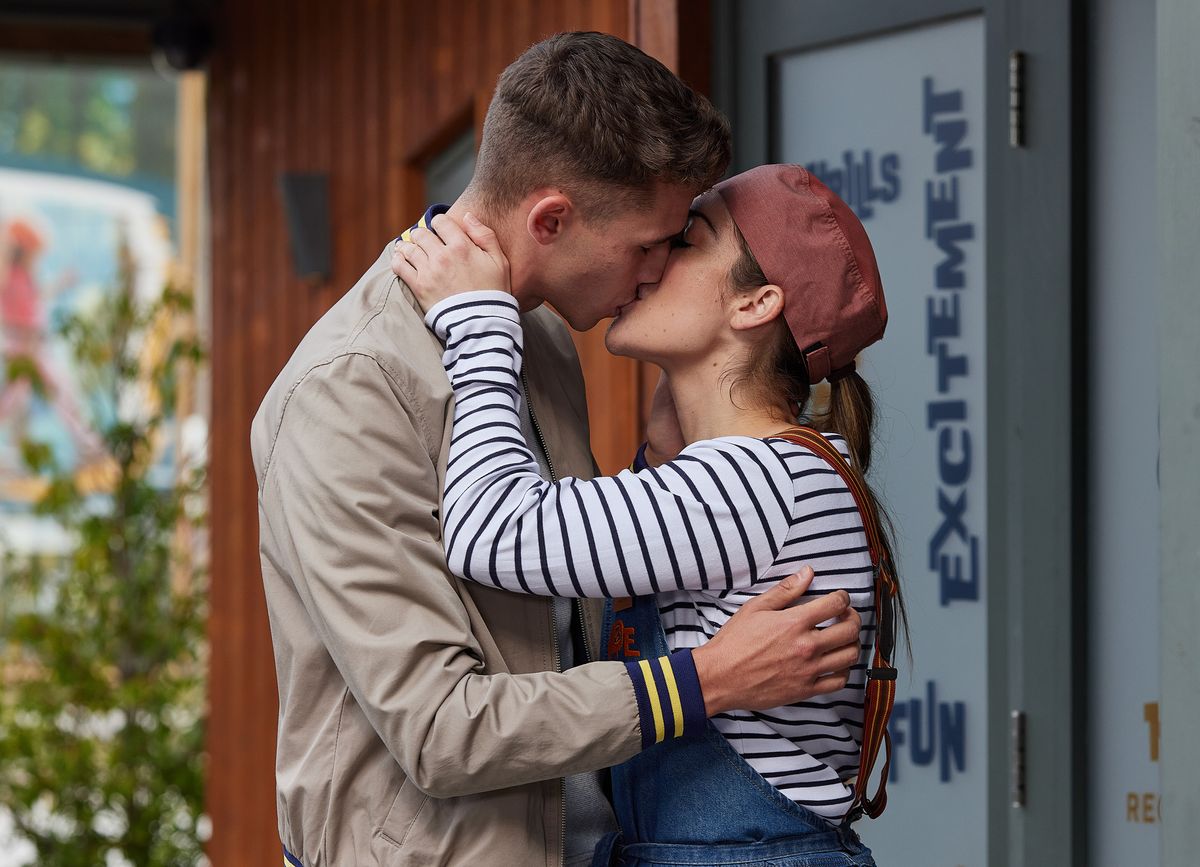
(680, 241)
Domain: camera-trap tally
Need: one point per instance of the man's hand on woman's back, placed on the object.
(772, 653)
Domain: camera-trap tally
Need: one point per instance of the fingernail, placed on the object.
(469, 218)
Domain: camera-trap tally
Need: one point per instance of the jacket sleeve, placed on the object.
(350, 498)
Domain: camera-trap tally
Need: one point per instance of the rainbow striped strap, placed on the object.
(290, 860)
(670, 703)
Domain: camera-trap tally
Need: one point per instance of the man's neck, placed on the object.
(462, 205)
(521, 277)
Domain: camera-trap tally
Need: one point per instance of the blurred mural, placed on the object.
(88, 185)
(87, 177)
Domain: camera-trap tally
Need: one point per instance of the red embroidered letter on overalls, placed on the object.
(621, 641)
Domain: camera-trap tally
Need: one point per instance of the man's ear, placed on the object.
(749, 310)
(549, 216)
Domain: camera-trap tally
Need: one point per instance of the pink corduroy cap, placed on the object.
(812, 246)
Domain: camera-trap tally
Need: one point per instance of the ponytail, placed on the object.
(851, 413)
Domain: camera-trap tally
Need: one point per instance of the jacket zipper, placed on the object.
(562, 783)
(537, 429)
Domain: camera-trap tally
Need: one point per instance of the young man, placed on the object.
(424, 720)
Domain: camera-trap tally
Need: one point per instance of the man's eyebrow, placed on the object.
(670, 237)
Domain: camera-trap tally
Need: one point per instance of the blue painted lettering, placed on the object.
(955, 585)
(853, 179)
(932, 730)
(949, 273)
(954, 472)
(942, 320)
(948, 133)
(948, 366)
(953, 547)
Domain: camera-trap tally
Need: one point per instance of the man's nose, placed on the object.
(653, 264)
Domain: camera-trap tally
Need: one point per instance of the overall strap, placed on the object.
(881, 676)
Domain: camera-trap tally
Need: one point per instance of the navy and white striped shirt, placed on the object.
(723, 522)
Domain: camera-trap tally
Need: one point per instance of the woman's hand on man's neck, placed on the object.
(521, 284)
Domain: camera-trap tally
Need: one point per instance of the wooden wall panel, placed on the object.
(354, 89)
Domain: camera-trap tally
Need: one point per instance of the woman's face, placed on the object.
(686, 315)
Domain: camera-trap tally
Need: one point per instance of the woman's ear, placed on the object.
(749, 310)
(549, 215)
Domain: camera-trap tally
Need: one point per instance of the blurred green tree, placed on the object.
(108, 120)
(102, 647)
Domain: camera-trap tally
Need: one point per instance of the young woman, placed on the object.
(771, 288)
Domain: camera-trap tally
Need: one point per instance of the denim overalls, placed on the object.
(696, 801)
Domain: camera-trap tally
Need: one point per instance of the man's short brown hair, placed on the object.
(599, 118)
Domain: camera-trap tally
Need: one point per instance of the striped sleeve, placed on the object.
(712, 519)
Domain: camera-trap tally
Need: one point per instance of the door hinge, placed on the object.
(1017, 758)
(1016, 99)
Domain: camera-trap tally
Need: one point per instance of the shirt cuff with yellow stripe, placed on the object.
(670, 703)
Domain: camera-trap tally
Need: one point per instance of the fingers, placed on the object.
(402, 269)
(821, 609)
(413, 252)
(483, 236)
(842, 630)
(841, 655)
(412, 256)
(446, 232)
(784, 594)
(402, 264)
(830, 682)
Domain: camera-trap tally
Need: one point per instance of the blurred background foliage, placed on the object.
(102, 700)
(102, 643)
(114, 122)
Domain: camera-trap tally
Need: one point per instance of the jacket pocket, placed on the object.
(402, 815)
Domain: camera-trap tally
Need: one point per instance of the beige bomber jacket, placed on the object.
(421, 719)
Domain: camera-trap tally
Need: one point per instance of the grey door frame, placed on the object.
(1037, 461)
